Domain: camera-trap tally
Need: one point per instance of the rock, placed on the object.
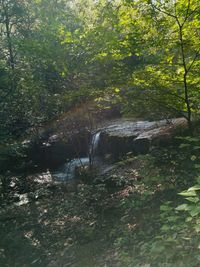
(160, 136)
(127, 135)
(141, 145)
(52, 150)
(116, 137)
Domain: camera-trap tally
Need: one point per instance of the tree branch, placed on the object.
(193, 61)
(187, 14)
(163, 11)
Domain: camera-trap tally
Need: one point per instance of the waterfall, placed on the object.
(67, 172)
(94, 143)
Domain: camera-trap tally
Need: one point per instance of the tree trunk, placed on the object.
(10, 46)
(186, 96)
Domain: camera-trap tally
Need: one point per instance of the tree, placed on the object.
(12, 23)
(55, 54)
(170, 47)
(184, 13)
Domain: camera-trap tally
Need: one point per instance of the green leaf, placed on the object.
(194, 211)
(188, 193)
(183, 207)
(197, 166)
(165, 228)
(188, 219)
(197, 228)
(194, 188)
(192, 139)
(165, 208)
(184, 145)
(196, 147)
(172, 218)
(193, 199)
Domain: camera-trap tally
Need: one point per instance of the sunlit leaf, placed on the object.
(182, 207)
(188, 193)
(194, 188)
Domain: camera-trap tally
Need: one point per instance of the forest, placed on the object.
(100, 133)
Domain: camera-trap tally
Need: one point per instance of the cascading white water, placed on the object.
(94, 143)
(67, 172)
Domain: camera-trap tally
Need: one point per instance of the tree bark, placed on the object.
(187, 100)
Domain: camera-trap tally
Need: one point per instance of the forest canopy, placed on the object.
(143, 55)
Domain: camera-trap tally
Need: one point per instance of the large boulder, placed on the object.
(53, 150)
(126, 135)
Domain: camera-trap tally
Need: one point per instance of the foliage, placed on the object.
(54, 55)
(142, 55)
(167, 233)
(169, 44)
(179, 231)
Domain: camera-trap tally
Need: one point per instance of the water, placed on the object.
(68, 171)
(122, 128)
(94, 143)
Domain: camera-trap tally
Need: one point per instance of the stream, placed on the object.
(68, 170)
(119, 137)
(98, 224)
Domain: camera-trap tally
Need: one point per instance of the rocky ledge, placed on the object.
(126, 135)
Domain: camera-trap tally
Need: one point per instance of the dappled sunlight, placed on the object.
(30, 236)
(43, 178)
(99, 133)
(23, 200)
